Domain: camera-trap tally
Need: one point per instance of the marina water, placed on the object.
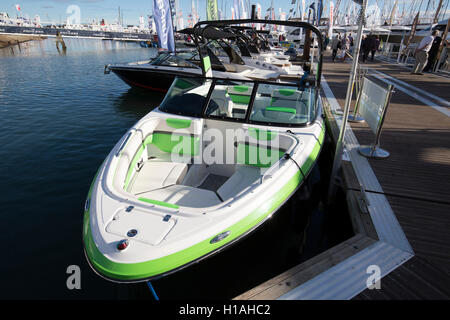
(59, 117)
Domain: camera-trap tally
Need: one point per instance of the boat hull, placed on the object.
(157, 268)
(148, 79)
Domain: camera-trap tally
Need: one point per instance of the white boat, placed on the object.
(157, 74)
(213, 162)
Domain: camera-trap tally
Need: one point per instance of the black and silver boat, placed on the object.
(158, 74)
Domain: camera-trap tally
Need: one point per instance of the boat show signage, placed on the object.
(163, 21)
(371, 103)
(51, 32)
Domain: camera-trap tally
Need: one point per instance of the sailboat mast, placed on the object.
(435, 20)
(445, 11)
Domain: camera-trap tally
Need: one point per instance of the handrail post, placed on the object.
(340, 143)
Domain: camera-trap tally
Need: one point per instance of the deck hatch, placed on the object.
(147, 227)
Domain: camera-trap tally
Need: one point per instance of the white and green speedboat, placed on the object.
(214, 161)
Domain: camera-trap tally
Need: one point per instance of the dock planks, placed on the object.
(415, 180)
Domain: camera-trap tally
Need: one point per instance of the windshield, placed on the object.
(217, 49)
(283, 104)
(272, 104)
(186, 96)
(182, 59)
(159, 58)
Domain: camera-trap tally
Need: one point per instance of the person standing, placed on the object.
(365, 48)
(421, 53)
(350, 38)
(433, 53)
(335, 44)
(326, 41)
(374, 45)
(345, 47)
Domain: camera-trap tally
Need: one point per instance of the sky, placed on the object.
(55, 10)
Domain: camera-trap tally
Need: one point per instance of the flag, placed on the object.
(243, 13)
(312, 7)
(163, 21)
(319, 11)
(258, 15)
(330, 29)
(237, 9)
(303, 10)
(258, 11)
(394, 8)
(18, 7)
(211, 10)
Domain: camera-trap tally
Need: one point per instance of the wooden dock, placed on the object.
(402, 218)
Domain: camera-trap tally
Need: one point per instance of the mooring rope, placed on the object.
(152, 290)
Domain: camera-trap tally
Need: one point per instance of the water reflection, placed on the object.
(137, 103)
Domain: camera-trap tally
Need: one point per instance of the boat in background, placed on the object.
(158, 74)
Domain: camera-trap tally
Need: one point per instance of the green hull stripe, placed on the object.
(178, 123)
(159, 203)
(143, 270)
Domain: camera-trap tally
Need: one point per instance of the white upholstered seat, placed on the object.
(243, 177)
(157, 174)
(184, 196)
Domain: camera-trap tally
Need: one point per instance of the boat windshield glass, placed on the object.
(230, 99)
(175, 61)
(217, 49)
(186, 96)
(264, 103)
(283, 104)
(189, 55)
(161, 57)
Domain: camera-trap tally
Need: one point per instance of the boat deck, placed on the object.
(403, 223)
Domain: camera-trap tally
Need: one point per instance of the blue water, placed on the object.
(59, 118)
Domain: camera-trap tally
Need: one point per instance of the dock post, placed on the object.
(340, 143)
(355, 116)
